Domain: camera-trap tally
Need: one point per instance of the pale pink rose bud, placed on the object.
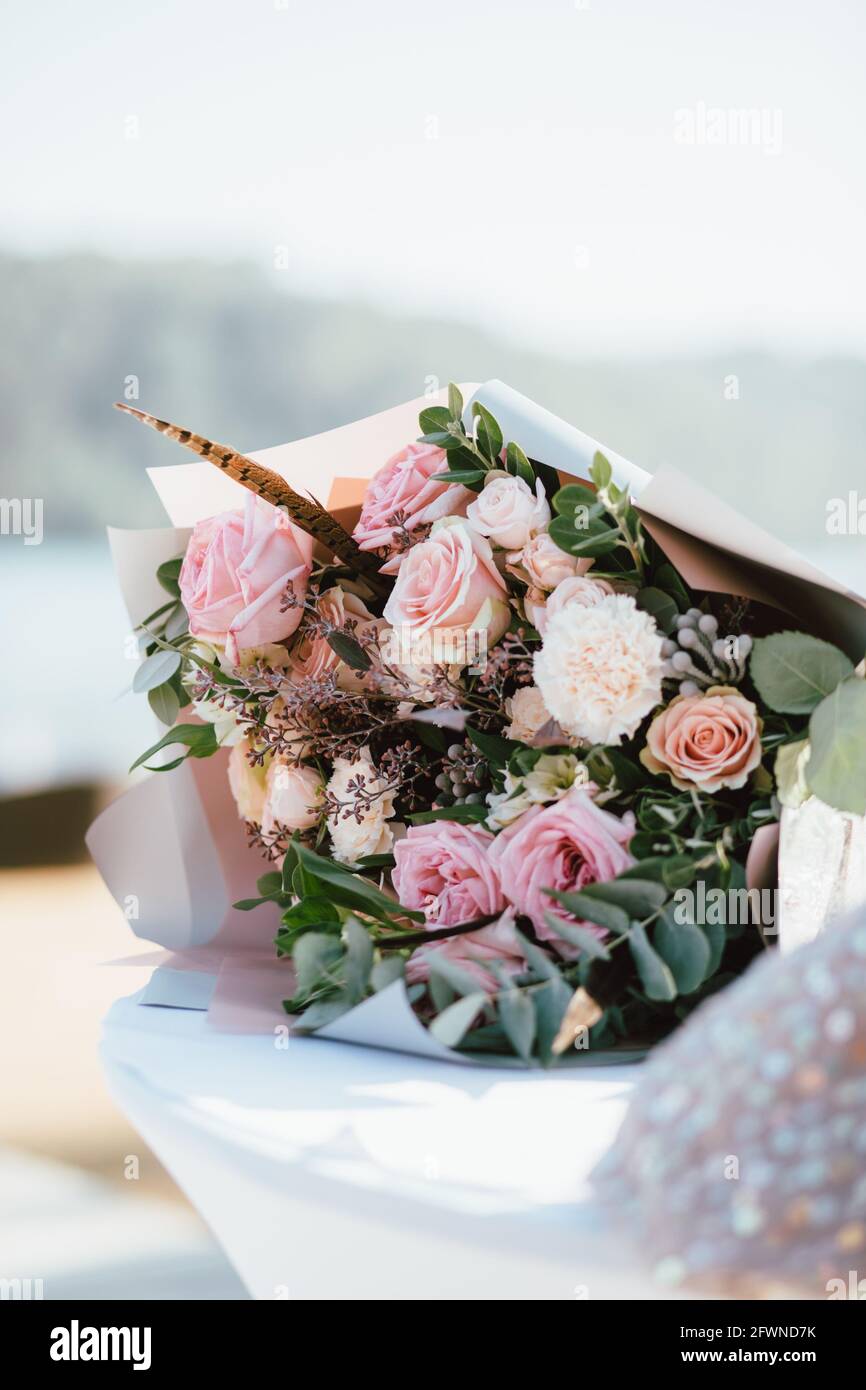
(547, 565)
(247, 782)
(293, 797)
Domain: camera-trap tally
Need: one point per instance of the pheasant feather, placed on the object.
(308, 515)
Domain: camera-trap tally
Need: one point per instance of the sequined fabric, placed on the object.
(742, 1159)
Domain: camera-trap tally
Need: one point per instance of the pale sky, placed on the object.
(512, 163)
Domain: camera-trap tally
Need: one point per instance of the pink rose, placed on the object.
(445, 869)
(449, 582)
(705, 741)
(564, 846)
(547, 565)
(406, 489)
(471, 951)
(236, 568)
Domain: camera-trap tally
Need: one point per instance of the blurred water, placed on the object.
(67, 712)
(63, 654)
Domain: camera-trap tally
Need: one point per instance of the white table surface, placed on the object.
(331, 1171)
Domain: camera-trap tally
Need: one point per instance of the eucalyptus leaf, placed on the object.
(488, 433)
(453, 1023)
(314, 956)
(836, 770)
(684, 948)
(155, 670)
(164, 702)
(359, 959)
(460, 980)
(386, 971)
(322, 1012)
(794, 672)
(550, 1002)
(603, 914)
(582, 937)
(655, 976)
(517, 1016)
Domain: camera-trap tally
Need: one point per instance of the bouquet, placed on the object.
(494, 748)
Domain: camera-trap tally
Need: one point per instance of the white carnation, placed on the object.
(600, 668)
(354, 836)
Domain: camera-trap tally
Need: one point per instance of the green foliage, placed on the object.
(836, 770)
(794, 672)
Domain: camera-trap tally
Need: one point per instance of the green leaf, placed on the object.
(467, 476)
(582, 937)
(458, 979)
(361, 893)
(455, 400)
(487, 433)
(588, 909)
(666, 578)
(660, 606)
(314, 956)
(164, 702)
(270, 884)
(495, 749)
(359, 959)
(386, 971)
(517, 1016)
(155, 670)
(601, 471)
(168, 574)
(435, 418)
(684, 948)
(200, 741)
(550, 1002)
(574, 495)
(177, 624)
(655, 976)
(320, 1013)
(454, 1022)
(596, 538)
(518, 465)
(538, 962)
(794, 672)
(836, 770)
(638, 897)
(349, 650)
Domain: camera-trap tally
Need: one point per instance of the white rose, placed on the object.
(528, 713)
(507, 511)
(247, 783)
(358, 827)
(293, 797)
(546, 565)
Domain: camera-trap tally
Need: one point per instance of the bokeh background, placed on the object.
(263, 219)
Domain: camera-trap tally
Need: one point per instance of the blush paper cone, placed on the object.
(174, 842)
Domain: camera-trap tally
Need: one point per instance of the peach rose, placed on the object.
(313, 658)
(235, 571)
(406, 488)
(449, 582)
(705, 741)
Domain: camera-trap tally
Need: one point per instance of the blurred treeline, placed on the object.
(227, 350)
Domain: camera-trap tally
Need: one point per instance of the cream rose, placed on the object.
(507, 511)
(707, 741)
(448, 582)
(247, 783)
(358, 824)
(293, 797)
